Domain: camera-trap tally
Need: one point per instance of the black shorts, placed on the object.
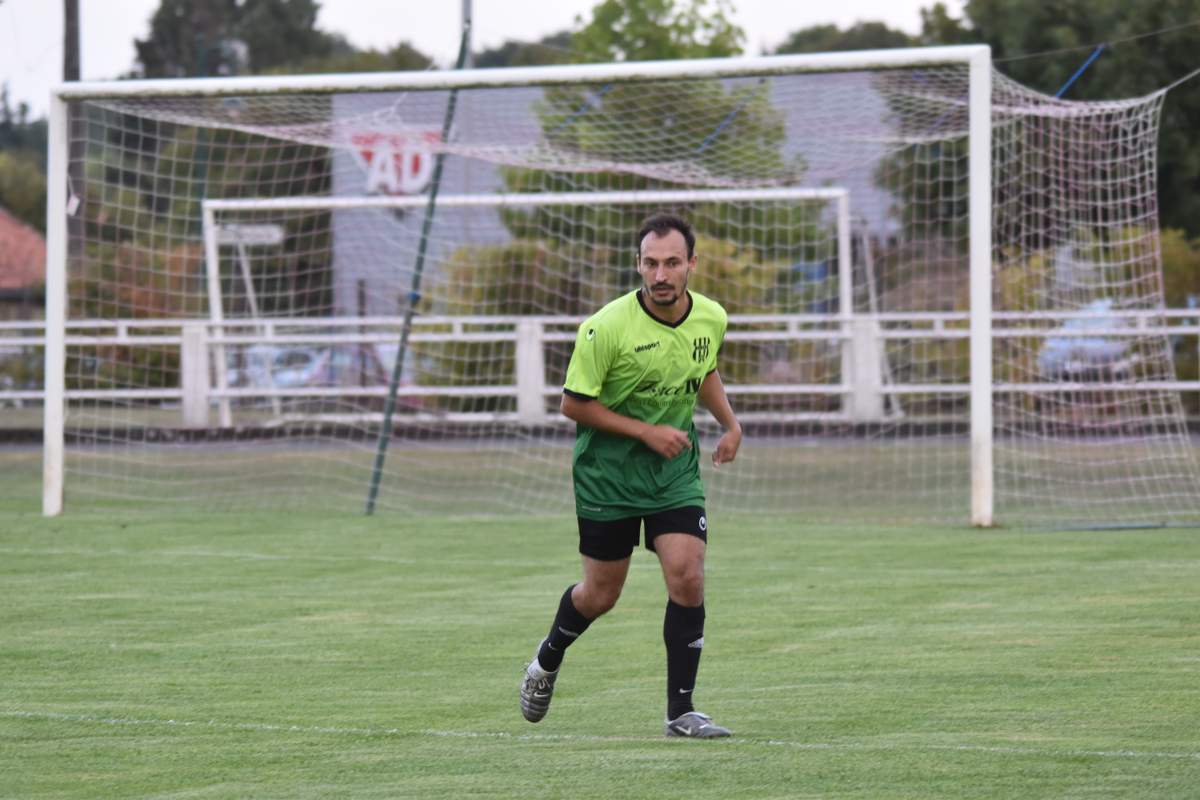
(614, 539)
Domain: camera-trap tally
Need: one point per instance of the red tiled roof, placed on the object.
(22, 254)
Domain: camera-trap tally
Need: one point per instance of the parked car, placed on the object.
(289, 367)
(1082, 357)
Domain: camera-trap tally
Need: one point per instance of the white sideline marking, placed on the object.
(240, 555)
(263, 727)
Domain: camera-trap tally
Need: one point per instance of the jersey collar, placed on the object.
(642, 302)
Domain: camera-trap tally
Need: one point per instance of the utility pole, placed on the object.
(75, 150)
(70, 40)
(466, 26)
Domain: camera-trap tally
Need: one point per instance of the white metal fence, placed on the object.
(205, 347)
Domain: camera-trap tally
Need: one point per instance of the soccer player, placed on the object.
(639, 365)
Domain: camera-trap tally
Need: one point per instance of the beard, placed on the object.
(664, 302)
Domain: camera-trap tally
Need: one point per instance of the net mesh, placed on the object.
(250, 370)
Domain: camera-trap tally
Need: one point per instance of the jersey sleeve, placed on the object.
(590, 361)
(722, 324)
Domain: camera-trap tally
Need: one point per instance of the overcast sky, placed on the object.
(31, 30)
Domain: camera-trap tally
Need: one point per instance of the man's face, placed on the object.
(664, 266)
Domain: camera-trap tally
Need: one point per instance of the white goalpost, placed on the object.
(266, 251)
(861, 353)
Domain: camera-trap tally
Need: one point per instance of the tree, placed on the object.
(829, 38)
(22, 163)
(644, 30)
(552, 49)
(20, 133)
(632, 136)
(401, 58)
(1181, 268)
(938, 27)
(205, 37)
(1125, 69)
(1181, 276)
(23, 189)
(226, 37)
(723, 130)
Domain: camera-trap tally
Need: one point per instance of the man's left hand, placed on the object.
(727, 447)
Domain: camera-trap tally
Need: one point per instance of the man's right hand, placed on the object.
(665, 440)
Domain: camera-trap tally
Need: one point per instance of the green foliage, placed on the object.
(143, 256)
(729, 131)
(228, 37)
(644, 30)
(401, 58)
(133, 194)
(1027, 281)
(829, 38)
(22, 163)
(552, 49)
(126, 207)
(548, 275)
(22, 368)
(23, 188)
(749, 279)
(1102, 259)
(1181, 267)
(936, 202)
(938, 27)
(732, 132)
(1125, 69)
(277, 31)
(20, 134)
(526, 276)
(120, 279)
(1021, 281)
(1181, 283)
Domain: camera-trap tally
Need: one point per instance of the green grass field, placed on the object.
(268, 656)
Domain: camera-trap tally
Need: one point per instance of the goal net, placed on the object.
(296, 293)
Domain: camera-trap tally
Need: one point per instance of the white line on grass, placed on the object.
(647, 565)
(238, 555)
(263, 727)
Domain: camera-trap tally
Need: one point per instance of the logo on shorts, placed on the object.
(591, 334)
(700, 349)
(703, 523)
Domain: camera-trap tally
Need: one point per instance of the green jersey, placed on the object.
(641, 367)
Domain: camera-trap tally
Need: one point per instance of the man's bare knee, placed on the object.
(601, 586)
(593, 598)
(686, 588)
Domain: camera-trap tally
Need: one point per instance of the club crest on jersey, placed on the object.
(700, 349)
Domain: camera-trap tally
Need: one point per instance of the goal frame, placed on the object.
(839, 199)
(61, 203)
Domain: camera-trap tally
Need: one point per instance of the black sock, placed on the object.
(683, 633)
(568, 626)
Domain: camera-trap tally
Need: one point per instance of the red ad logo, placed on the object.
(396, 163)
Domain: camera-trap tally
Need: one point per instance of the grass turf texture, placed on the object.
(314, 656)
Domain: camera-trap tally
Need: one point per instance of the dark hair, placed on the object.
(660, 224)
